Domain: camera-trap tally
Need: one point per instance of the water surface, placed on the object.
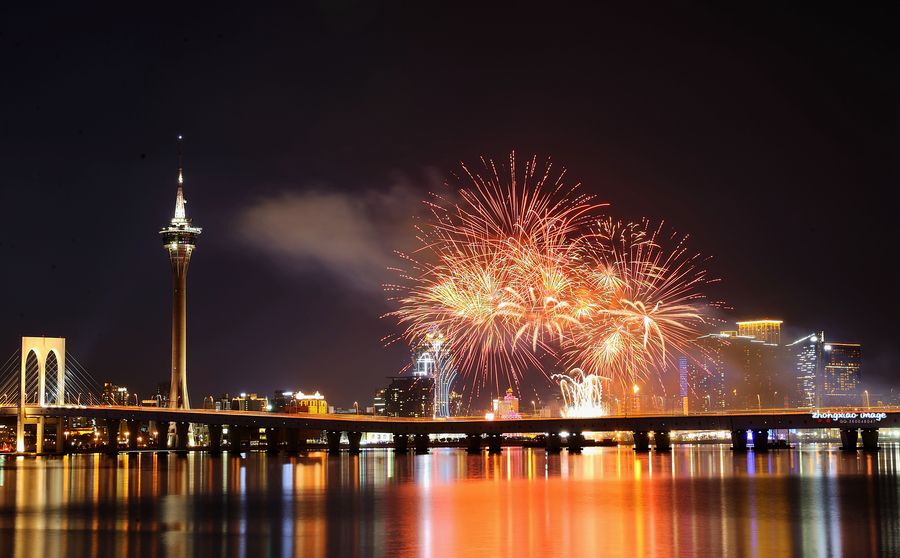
(694, 501)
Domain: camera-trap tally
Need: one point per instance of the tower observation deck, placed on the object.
(179, 238)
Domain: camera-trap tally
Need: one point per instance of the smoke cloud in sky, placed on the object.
(351, 236)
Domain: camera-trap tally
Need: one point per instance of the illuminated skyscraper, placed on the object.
(827, 374)
(706, 378)
(378, 406)
(433, 359)
(683, 383)
(410, 396)
(840, 382)
(767, 331)
(805, 361)
(737, 372)
(179, 238)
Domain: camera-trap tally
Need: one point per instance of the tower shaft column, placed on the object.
(178, 394)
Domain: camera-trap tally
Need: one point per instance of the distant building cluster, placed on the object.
(284, 401)
(426, 392)
(751, 369)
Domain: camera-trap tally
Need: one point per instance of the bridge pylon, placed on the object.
(42, 348)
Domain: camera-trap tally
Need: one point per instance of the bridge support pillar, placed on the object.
(215, 438)
(421, 443)
(553, 443)
(334, 442)
(494, 441)
(112, 436)
(235, 435)
(39, 436)
(134, 431)
(663, 440)
(641, 440)
(849, 439)
(292, 436)
(20, 429)
(353, 439)
(162, 436)
(761, 439)
(739, 440)
(401, 443)
(272, 440)
(576, 442)
(60, 435)
(870, 439)
(473, 443)
(181, 436)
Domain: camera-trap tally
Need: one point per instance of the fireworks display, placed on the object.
(582, 394)
(645, 298)
(522, 269)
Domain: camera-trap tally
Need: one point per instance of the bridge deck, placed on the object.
(745, 420)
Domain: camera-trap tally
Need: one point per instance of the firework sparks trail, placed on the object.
(651, 299)
(525, 267)
(582, 394)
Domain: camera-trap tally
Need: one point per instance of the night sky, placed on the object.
(312, 135)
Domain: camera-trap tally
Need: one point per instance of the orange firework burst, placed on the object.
(650, 299)
(501, 268)
(524, 267)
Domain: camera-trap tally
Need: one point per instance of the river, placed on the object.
(695, 501)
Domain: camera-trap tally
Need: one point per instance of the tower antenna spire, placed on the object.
(179, 198)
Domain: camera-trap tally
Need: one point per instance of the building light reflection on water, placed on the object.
(816, 500)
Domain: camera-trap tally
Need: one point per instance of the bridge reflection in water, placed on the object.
(695, 500)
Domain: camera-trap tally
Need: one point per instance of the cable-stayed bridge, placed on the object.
(79, 387)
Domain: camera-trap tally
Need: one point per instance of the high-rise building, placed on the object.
(433, 358)
(760, 375)
(378, 405)
(804, 363)
(683, 383)
(410, 396)
(179, 238)
(826, 374)
(767, 331)
(737, 372)
(841, 380)
(114, 395)
(706, 376)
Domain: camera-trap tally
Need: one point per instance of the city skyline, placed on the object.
(306, 199)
